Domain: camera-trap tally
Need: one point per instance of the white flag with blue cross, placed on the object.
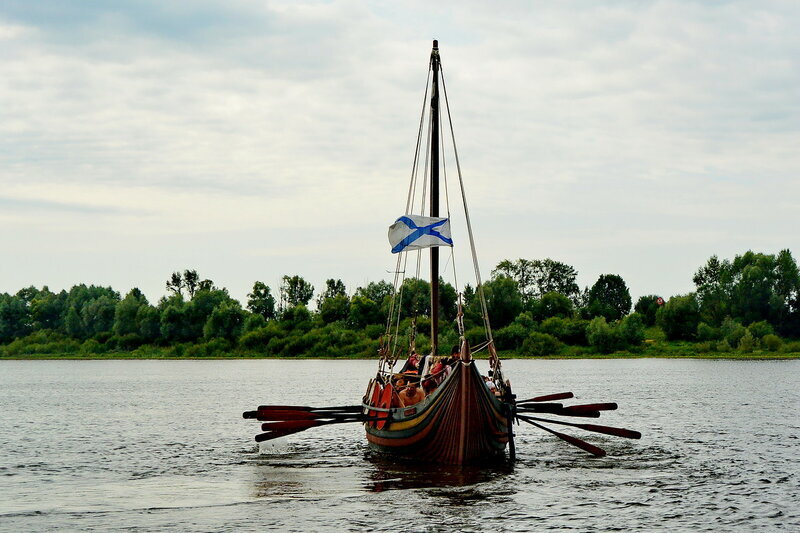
(412, 232)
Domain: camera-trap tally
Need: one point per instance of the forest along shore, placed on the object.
(747, 307)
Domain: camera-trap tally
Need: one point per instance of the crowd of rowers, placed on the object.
(421, 375)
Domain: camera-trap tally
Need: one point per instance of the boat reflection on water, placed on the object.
(390, 474)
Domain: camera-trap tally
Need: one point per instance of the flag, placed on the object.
(412, 232)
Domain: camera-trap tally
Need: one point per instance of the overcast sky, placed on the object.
(248, 139)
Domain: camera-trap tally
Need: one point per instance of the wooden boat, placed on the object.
(461, 421)
(464, 417)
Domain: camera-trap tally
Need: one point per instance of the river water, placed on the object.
(159, 445)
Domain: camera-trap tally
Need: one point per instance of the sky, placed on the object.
(248, 140)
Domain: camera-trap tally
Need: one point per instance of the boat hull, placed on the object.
(461, 422)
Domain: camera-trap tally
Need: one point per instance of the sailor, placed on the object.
(411, 395)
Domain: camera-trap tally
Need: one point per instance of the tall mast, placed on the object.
(435, 65)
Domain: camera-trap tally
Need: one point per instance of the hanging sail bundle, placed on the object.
(412, 232)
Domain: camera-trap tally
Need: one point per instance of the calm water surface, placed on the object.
(155, 445)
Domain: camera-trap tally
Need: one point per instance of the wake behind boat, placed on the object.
(438, 407)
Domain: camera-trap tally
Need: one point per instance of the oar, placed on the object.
(582, 444)
(295, 415)
(608, 430)
(559, 412)
(542, 407)
(591, 407)
(305, 424)
(275, 434)
(549, 397)
(302, 409)
(307, 408)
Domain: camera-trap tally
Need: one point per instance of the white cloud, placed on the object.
(246, 140)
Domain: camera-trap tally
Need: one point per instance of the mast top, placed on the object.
(435, 44)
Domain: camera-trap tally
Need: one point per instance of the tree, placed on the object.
(225, 321)
(363, 312)
(149, 320)
(537, 278)
(190, 281)
(333, 288)
(376, 291)
(48, 310)
(295, 291)
(334, 308)
(15, 321)
(680, 317)
(550, 305)
(98, 315)
(261, 301)
(503, 302)
(609, 297)
(647, 306)
(127, 310)
(175, 284)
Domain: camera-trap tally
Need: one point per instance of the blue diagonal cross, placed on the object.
(418, 232)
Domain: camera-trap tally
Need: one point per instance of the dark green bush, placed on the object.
(541, 344)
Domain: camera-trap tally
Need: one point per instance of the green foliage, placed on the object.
(747, 343)
(568, 330)
(552, 304)
(334, 308)
(15, 319)
(732, 331)
(647, 306)
(295, 291)
(363, 311)
(510, 337)
(609, 297)
(376, 291)
(753, 287)
(539, 277)
(48, 310)
(679, 317)
(261, 302)
(149, 320)
(771, 342)
(760, 329)
(503, 301)
(708, 333)
(333, 288)
(602, 337)
(225, 321)
(541, 344)
(415, 297)
(631, 330)
(126, 312)
(253, 322)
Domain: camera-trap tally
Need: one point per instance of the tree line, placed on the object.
(535, 307)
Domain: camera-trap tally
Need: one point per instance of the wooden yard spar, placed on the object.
(460, 420)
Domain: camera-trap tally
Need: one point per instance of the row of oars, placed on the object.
(546, 404)
(282, 420)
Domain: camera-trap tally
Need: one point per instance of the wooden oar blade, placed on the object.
(277, 414)
(582, 444)
(286, 415)
(348, 408)
(592, 407)
(277, 434)
(575, 441)
(608, 430)
(549, 397)
(305, 424)
(541, 407)
(289, 424)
